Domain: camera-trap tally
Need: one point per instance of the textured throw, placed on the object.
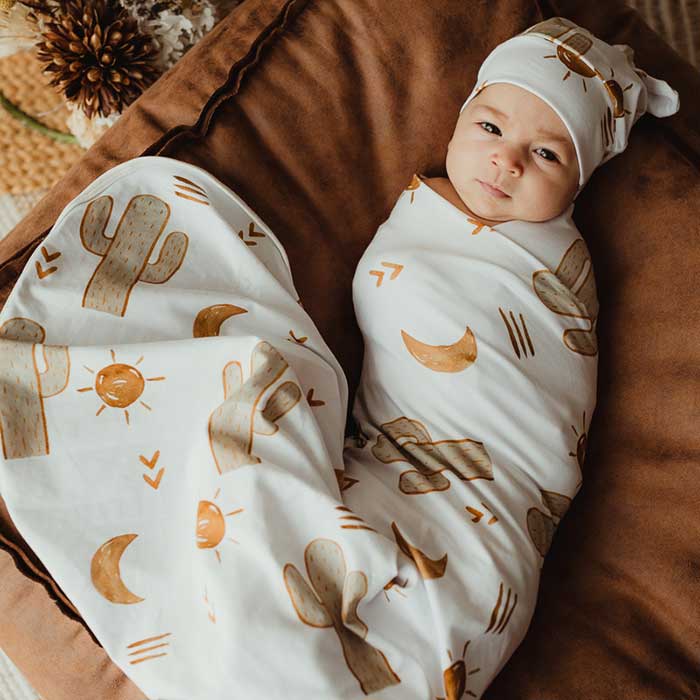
(172, 440)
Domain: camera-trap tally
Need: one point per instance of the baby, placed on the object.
(480, 350)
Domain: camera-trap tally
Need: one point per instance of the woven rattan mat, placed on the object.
(30, 161)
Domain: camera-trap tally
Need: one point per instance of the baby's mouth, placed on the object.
(493, 191)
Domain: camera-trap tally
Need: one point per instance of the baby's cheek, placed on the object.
(539, 199)
(458, 168)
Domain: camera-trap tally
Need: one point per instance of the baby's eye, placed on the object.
(490, 124)
(553, 155)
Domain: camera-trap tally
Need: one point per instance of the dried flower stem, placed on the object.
(32, 123)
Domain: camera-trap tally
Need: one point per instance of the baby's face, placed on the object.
(508, 137)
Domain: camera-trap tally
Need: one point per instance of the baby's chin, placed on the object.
(489, 208)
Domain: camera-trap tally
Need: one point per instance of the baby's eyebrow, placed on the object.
(553, 137)
(543, 132)
(497, 112)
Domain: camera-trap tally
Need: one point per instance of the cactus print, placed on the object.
(22, 417)
(125, 254)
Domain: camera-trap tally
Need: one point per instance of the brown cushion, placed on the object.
(318, 114)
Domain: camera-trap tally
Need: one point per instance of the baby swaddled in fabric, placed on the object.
(478, 307)
(172, 421)
(477, 391)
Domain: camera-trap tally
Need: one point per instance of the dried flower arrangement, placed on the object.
(101, 54)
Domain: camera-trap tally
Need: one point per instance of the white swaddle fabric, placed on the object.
(172, 440)
(478, 386)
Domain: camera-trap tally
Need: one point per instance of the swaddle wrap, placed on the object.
(477, 390)
(594, 87)
(172, 440)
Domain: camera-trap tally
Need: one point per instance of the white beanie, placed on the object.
(594, 87)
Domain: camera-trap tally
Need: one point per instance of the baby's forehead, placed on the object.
(507, 97)
(515, 104)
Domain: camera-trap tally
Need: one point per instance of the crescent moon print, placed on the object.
(104, 571)
(209, 320)
(443, 358)
(428, 568)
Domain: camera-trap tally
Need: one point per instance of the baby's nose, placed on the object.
(508, 159)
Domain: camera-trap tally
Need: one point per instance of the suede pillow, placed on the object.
(317, 113)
